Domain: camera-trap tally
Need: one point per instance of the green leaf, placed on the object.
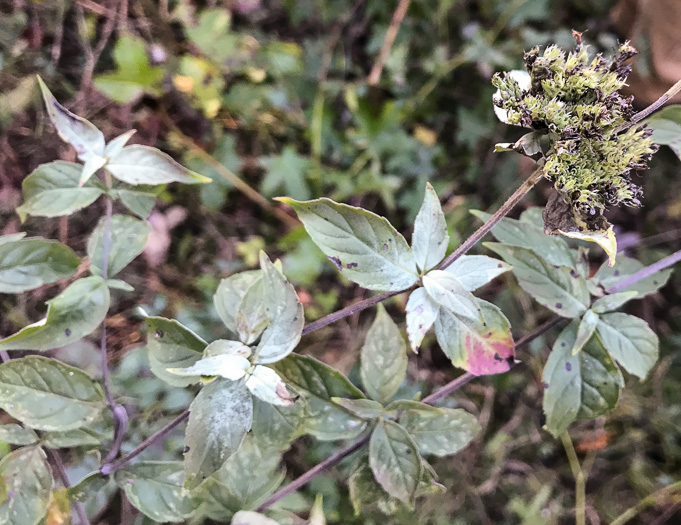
(473, 271)
(115, 146)
(630, 341)
(666, 126)
(559, 289)
(73, 314)
(526, 234)
(245, 480)
(430, 239)
(52, 190)
(278, 426)
(579, 386)
(171, 345)
(17, 435)
(219, 418)
(480, 349)
(284, 313)
(28, 485)
(12, 237)
(395, 460)
(251, 316)
(91, 166)
(365, 490)
(212, 35)
(87, 140)
(138, 199)
(26, 264)
(587, 327)
(318, 383)
(362, 408)
(401, 405)
(449, 293)
(117, 284)
(229, 294)
(286, 172)
(146, 165)
(421, 314)
(80, 437)
(128, 239)
(613, 301)
(362, 245)
(226, 347)
(248, 517)
(609, 276)
(383, 358)
(440, 434)
(134, 75)
(155, 488)
(45, 394)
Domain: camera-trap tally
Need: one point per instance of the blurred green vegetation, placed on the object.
(270, 98)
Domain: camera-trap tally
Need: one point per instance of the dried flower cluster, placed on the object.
(593, 147)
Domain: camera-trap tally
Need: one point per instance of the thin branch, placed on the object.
(580, 479)
(63, 477)
(390, 36)
(638, 117)
(649, 500)
(109, 468)
(643, 273)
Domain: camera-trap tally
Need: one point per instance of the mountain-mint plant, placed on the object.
(252, 394)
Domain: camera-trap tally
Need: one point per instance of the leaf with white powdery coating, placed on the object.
(526, 234)
(430, 239)
(284, 312)
(232, 367)
(480, 349)
(395, 460)
(421, 314)
(17, 435)
(383, 358)
(587, 327)
(27, 481)
(265, 384)
(581, 386)
(362, 245)
(473, 271)
(26, 264)
(318, 383)
(171, 345)
(278, 426)
(229, 294)
(630, 341)
(155, 489)
(87, 140)
(73, 314)
(449, 293)
(219, 418)
(52, 190)
(248, 517)
(613, 301)
(560, 289)
(46, 394)
(440, 434)
(146, 165)
(128, 239)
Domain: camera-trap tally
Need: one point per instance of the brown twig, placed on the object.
(638, 117)
(645, 272)
(390, 35)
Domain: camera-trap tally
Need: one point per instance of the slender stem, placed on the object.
(63, 477)
(651, 499)
(390, 36)
(109, 468)
(638, 117)
(506, 207)
(580, 480)
(643, 273)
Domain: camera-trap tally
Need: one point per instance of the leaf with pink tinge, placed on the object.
(481, 349)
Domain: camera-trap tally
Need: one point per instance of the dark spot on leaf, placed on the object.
(186, 449)
(336, 261)
(574, 274)
(559, 305)
(655, 283)
(385, 246)
(500, 265)
(497, 357)
(568, 366)
(546, 385)
(562, 344)
(407, 451)
(351, 265)
(616, 273)
(159, 333)
(67, 332)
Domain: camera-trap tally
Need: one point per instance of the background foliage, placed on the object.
(270, 98)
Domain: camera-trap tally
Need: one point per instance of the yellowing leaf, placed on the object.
(605, 239)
